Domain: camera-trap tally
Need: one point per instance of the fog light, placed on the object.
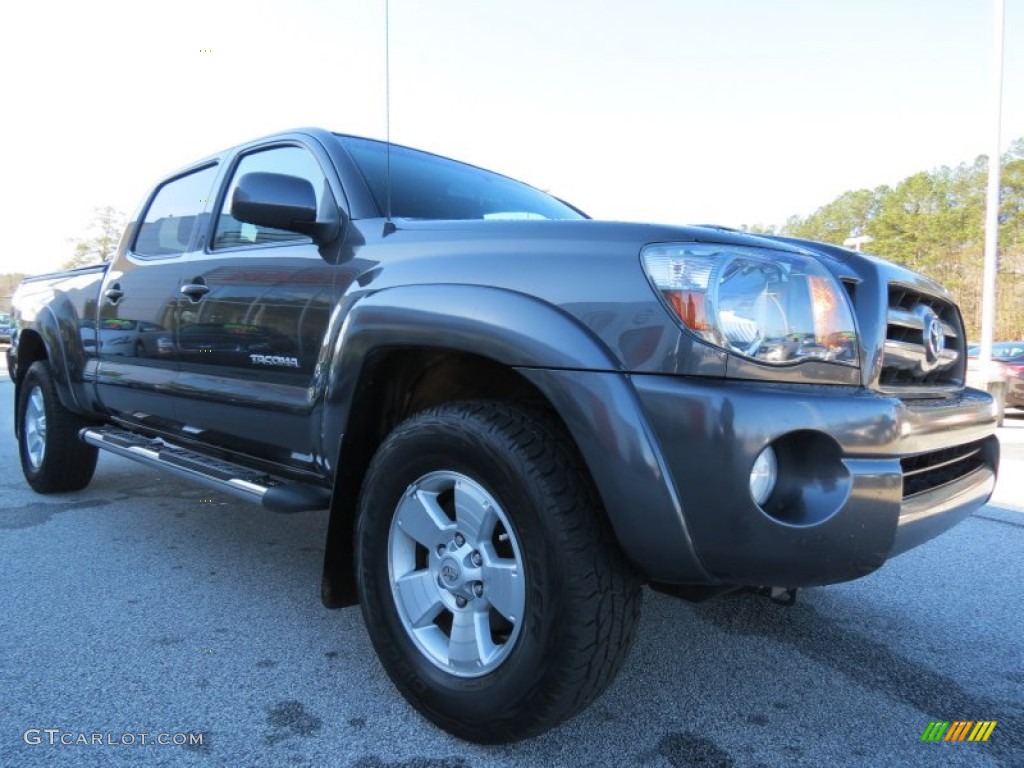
(763, 476)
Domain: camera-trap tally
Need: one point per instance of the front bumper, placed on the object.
(862, 476)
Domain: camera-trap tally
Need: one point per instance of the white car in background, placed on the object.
(1003, 376)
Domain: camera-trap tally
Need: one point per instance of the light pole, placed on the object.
(989, 274)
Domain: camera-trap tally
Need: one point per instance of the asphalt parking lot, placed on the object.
(145, 605)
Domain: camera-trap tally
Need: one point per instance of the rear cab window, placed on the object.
(170, 220)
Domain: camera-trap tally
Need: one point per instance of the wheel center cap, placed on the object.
(451, 573)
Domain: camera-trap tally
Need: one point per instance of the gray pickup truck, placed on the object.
(514, 415)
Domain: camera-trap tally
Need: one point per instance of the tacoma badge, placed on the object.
(288, 362)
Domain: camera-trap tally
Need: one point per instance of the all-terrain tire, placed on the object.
(53, 459)
(473, 502)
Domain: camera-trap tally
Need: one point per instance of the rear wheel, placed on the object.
(53, 459)
(492, 588)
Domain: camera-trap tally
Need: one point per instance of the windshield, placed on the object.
(426, 186)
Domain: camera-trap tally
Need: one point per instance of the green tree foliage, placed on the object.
(846, 216)
(1011, 209)
(101, 239)
(933, 222)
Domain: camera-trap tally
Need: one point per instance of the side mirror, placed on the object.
(285, 202)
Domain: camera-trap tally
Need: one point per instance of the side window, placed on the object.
(293, 161)
(171, 216)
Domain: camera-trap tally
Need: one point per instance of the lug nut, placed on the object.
(460, 601)
(459, 539)
(441, 550)
(478, 588)
(476, 559)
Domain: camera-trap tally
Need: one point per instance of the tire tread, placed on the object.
(603, 603)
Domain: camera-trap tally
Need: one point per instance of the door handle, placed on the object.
(195, 291)
(114, 293)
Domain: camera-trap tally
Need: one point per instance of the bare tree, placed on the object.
(101, 239)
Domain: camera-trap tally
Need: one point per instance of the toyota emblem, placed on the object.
(450, 572)
(934, 336)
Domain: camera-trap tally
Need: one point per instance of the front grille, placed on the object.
(924, 342)
(930, 470)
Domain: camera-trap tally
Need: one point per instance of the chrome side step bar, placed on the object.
(274, 494)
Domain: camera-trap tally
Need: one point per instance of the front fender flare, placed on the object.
(510, 328)
(562, 358)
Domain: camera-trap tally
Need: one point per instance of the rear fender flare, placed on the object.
(56, 326)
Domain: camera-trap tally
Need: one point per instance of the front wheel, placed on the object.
(53, 459)
(491, 585)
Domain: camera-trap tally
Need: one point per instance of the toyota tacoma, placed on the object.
(514, 415)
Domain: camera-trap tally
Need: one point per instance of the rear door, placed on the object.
(138, 302)
(254, 313)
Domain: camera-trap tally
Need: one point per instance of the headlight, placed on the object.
(771, 306)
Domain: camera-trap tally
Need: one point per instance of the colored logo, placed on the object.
(959, 730)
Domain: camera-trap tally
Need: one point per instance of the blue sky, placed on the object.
(737, 112)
